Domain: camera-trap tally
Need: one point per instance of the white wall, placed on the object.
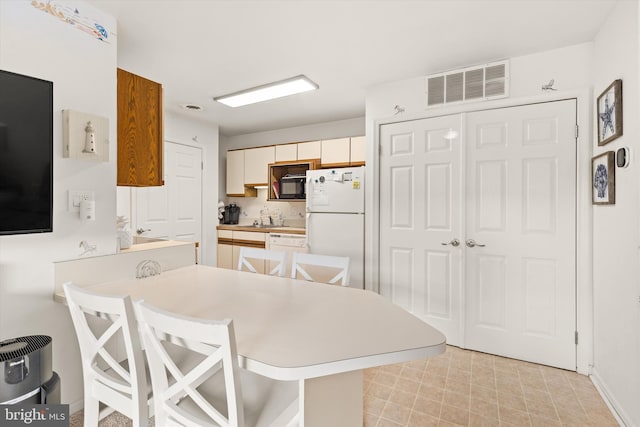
(616, 269)
(83, 71)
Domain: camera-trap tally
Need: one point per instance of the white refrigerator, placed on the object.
(335, 216)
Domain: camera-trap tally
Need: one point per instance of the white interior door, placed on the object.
(521, 205)
(419, 215)
(152, 211)
(174, 211)
(516, 195)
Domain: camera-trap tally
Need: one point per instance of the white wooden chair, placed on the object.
(122, 386)
(247, 254)
(207, 390)
(304, 265)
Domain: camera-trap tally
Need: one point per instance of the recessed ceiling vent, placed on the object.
(192, 107)
(479, 83)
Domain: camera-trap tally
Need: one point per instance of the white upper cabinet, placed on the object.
(335, 152)
(235, 173)
(309, 150)
(358, 151)
(256, 164)
(286, 152)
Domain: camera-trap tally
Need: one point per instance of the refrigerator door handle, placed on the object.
(309, 193)
(308, 235)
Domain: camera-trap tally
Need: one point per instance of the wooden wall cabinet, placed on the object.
(235, 173)
(342, 152)
(140, 131)
(249, 167)
(286, 152)
(278, 170)
(358, 154)
(235, 176)
(256, 165)
(335, 152)
(309, 150)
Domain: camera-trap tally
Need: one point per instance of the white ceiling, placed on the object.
(199, 49)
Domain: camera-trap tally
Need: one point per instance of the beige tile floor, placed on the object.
(467, 388)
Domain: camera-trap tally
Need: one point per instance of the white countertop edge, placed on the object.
(340, 366)
(155, 245)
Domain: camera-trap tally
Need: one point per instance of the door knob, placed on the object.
(472, 243)
(142, 230)
(455, 243)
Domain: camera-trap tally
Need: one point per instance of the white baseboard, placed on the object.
(615, 408)
(76, 406)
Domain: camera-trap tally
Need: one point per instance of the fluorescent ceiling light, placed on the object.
(273, 90)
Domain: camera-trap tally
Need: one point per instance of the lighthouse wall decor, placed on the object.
(85, 136)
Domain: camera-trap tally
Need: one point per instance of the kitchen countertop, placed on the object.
(258, 229)
(156, 245)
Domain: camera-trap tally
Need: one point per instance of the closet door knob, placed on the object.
(455, 243)
(472, 244)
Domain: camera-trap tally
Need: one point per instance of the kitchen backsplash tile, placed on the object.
(251, 207)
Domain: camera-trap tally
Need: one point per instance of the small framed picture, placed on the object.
(603, 179)
(610, 113)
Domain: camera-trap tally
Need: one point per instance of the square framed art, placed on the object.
(610, 113)
(603, 179)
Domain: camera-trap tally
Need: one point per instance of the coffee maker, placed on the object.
(231, 214)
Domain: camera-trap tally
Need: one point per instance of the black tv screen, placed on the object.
(26, 154)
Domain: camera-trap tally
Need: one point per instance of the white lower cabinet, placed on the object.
(225, 256)
(230, 242)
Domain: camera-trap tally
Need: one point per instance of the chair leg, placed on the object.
(91, 411)
(140, 417)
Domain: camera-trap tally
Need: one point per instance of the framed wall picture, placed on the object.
(610, 113)
(603, 179)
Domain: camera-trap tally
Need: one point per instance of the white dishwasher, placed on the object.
(289, 243)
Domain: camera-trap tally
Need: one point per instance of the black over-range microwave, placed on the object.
(293, 187)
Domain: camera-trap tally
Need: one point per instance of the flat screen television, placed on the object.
(26, 154)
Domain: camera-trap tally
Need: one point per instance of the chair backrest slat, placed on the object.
(247, 254)
(302, 260)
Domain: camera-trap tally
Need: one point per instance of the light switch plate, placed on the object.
(73, 136)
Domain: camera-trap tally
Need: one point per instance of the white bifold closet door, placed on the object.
(420, 208)
(502, 182)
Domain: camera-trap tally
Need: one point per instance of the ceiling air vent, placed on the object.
(479, 83)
